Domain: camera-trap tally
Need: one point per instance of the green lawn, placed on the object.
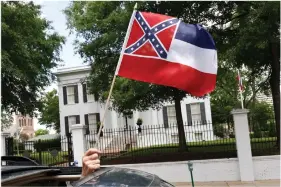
(229, 141)
(265, 145)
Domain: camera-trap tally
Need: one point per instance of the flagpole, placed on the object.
(240, 90)
(116, 72)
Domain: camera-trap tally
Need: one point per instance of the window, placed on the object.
(69, 121)
(20, 124)
(70, 94)
(72, 120)
(198, 136)
(92, 122)
(195, 112)
(86, 96)
(90, 97)
(171, 113)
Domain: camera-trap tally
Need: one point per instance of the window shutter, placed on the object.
(98, 120)
(188, 113)
(64, 95)
(85, 93)
(86, 116)
(203, 113)
(78, 119)
(66, 125)
(165, 117)
(98, 117)
(76, 94)
(96, 96)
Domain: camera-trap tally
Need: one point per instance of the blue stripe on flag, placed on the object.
(196, 35)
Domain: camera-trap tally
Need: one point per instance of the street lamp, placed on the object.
(190, 168)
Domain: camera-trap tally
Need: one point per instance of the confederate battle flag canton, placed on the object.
(151, 35)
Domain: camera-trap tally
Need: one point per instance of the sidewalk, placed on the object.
(268, 183)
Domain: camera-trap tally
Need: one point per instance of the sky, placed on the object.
(53, 11)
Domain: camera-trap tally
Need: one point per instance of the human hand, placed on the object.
(90, 161)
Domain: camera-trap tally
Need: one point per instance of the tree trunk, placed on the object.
(182, 139)
(275, 88)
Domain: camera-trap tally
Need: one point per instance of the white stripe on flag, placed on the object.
(204, 60)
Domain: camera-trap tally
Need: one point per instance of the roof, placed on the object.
(45, 137)
(74, 69)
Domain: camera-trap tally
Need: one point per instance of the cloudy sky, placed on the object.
(53, 11)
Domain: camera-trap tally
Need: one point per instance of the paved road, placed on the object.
(268, 183)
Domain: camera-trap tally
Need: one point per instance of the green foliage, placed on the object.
(262, 119)
(18, 145)
(29, 50)
(272, 130)
(253, 40)
(219, 131)
(41, 132)
(47, 145)
(50, 114)
(6, 120)
(139, 121)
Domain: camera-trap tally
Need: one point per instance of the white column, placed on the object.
(3, 143)
(78, 141)
(243, 144)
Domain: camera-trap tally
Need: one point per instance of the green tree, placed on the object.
(41, 132)
(253, 40)
(103, 26)
(261, 118)
(30, 49)
(50, 114)
(6, 120)
(226, 96)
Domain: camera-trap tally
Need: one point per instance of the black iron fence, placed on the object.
(51, 152)
(160, 143)
(156, 143)
(263, 135)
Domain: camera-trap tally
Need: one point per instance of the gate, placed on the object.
(9, 146)
(50, 152)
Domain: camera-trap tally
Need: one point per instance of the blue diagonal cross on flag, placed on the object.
(150, 35)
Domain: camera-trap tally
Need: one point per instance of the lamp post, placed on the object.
(190, 168)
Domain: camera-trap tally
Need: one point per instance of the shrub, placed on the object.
(219, 130)
(232, 135)
(257, 134)
(45, 145)
(21, 147)
(139, 121)
(272, 130)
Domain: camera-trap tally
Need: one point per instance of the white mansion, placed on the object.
(79, 107)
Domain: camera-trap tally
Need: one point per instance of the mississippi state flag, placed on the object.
(240, 84)
(166, 51)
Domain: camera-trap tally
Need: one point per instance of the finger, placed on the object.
(92, 162)
(93, 167)
(91, 157)
(92, 151)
